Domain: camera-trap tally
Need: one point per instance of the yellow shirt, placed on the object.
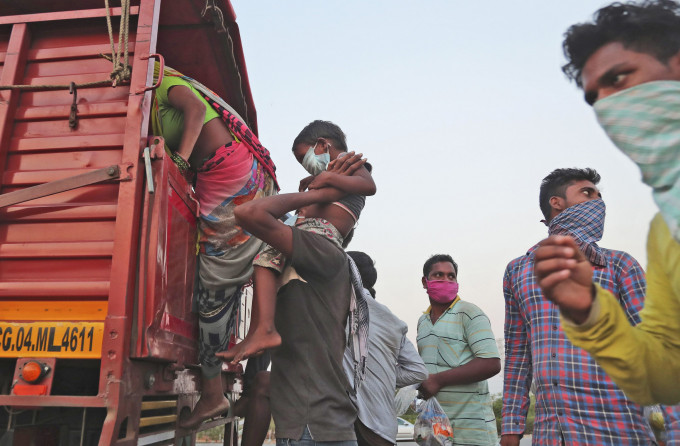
(644, 360)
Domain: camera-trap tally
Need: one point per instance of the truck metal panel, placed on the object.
(97, 259)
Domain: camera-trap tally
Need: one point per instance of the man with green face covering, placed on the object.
(627, 61)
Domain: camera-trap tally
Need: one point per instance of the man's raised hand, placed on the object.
(565, 276)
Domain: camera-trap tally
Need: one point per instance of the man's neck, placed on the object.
(437, 309)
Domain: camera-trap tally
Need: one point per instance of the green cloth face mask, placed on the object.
(644, 123)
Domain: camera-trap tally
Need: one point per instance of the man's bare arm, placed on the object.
(474, 371)
(261, 217)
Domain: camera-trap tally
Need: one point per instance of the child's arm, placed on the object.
(359, 183)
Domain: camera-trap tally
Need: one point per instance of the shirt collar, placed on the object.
(455, 301)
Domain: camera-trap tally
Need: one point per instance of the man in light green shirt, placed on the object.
(459, 350)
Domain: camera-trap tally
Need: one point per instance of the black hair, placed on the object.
(651, 27)
(366, 268)
(557, 182)
(436, 259)
(322, 129)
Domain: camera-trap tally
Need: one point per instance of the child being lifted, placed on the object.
(321, 148)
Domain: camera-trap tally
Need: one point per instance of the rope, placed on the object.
(53, 86)
(121, 68)
(217, 16)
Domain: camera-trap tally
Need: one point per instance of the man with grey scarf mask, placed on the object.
(576, 402)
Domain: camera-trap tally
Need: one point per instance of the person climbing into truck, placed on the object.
(204, 138)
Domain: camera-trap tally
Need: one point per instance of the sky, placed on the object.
(461, 108)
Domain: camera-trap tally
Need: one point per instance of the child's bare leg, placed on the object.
(263, 335)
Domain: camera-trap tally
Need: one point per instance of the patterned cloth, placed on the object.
(242, 132)
(228, 179)
(272, 258)
(576, 402)
(217, 318)
(584, 222)
(357, 341)
(461, 334)
(644, 122)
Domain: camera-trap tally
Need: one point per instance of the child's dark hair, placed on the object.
(322, 129)
(557, 182)
(651, 27)
(366, 268)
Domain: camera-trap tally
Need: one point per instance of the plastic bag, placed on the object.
(432, 426)
(405, 397)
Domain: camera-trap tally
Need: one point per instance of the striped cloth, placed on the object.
(644, 122)
(575, 399)
(462, 333)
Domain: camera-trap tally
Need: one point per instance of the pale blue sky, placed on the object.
(462, 109)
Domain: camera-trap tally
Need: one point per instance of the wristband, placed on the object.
(182, 164)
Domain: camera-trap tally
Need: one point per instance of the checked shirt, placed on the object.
(575, 400)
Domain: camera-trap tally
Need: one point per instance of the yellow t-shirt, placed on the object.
(643, 360)
(172, 119)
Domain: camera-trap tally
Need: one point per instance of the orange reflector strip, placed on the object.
(15, 310)
(28, 390)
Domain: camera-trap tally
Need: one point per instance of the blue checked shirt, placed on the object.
(575, 400)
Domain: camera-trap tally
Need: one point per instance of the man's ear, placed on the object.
(424, 280)
(557, 204)
(321, 144)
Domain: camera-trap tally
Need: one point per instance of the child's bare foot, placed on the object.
(210, 404)
(254, 344)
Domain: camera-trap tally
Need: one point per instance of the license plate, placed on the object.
(51, 339)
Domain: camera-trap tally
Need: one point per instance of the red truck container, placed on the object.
(97, 226)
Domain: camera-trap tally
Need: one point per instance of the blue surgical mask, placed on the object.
(290, 219)
(315, 164)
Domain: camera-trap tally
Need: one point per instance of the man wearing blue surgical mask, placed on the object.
(627, 61)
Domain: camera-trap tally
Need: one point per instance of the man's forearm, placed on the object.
(261, 217)
(476, 370)
(276, 206)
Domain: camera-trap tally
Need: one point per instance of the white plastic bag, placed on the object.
(432, 426)
(405, 397)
